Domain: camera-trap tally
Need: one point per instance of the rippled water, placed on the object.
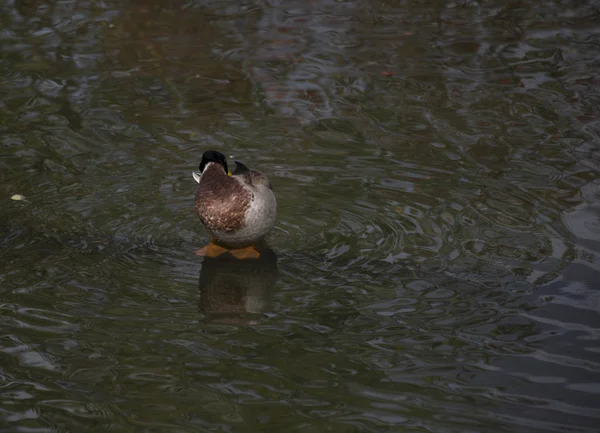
(436, 259)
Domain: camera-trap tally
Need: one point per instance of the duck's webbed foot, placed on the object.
(245, 253)
(211, 250)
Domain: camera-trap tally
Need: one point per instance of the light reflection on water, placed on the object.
(435, 259)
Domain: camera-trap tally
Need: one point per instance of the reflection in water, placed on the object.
(583, 222)
(230, 288)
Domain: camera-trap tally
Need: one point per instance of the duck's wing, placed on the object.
(250, 177)
(240, 169)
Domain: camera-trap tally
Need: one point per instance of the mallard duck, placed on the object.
(238, 208)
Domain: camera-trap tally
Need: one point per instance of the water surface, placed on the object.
(436, 259)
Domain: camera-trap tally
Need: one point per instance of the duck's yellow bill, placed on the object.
(228, 172)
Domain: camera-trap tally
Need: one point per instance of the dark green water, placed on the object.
(436, 261)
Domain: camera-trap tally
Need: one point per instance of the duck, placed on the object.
(238, 208)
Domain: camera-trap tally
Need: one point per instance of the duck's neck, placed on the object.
(215, 169)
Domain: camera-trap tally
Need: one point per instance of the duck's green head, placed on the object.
(213, 156)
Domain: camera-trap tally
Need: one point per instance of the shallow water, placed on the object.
(436, 259)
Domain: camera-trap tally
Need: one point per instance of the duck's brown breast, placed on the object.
(222, 202)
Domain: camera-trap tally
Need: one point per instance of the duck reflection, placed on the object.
(231, 290)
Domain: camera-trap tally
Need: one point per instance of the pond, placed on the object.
(435, 263)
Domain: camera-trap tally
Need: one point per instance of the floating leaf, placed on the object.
(18, 197)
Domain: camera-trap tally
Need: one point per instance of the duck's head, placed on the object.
(210, 157)
(214, 157)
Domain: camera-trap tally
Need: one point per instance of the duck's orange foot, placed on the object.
(245, 253)
(211, 250)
